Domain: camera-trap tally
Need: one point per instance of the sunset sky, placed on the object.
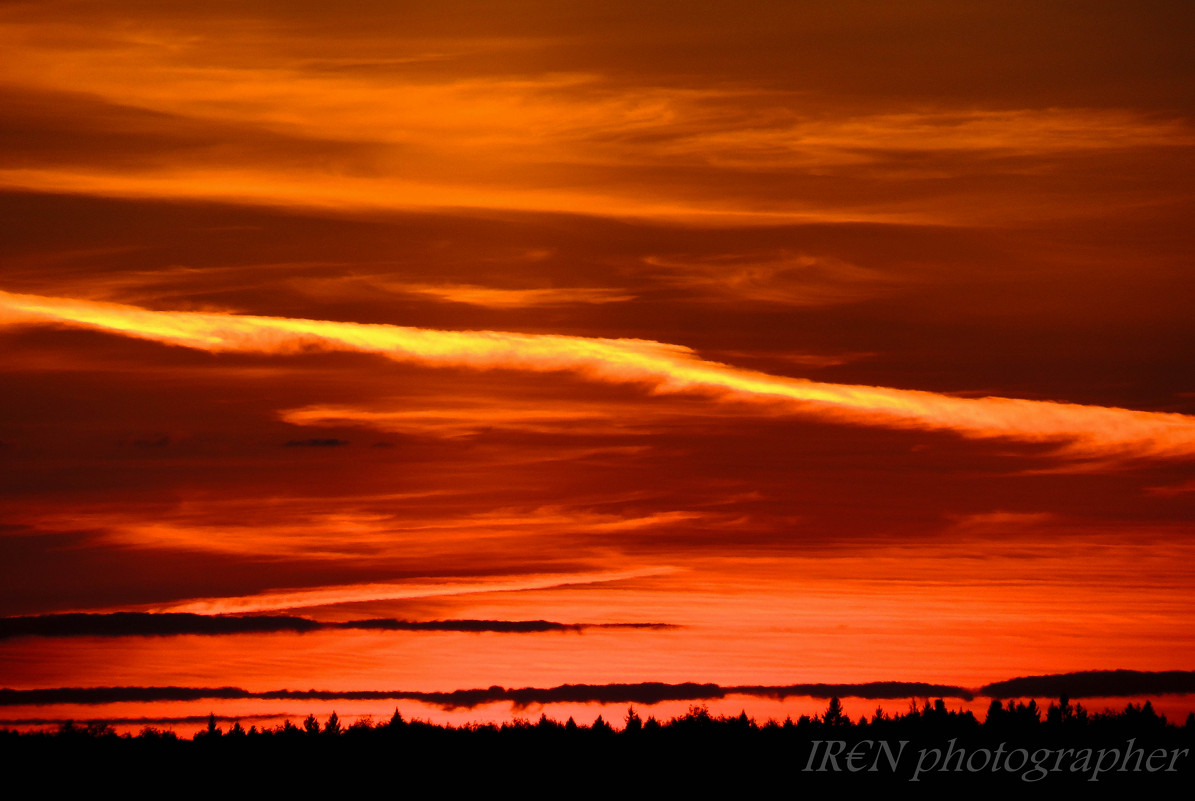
(824, 342)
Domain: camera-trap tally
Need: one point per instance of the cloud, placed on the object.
(1095, 684)
(1165, 491)
(493, 298)
(357, 593)
(1077, 430)
(497, 626)
(124, 624)
(786, 279)
(460, 421)
(641, 693)
(1000, 522)
(211, 127)
(398, 531)
(127, 624)
(873, 138)
(316, 442)
(449, 417)
(707, 118)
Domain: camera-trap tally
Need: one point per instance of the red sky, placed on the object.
(851, 340)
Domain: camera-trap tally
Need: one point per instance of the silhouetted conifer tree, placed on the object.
(633, 721)
(834, 716)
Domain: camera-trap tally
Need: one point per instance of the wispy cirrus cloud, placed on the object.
(454, 418)
(788, 279)
(495, 298)
(307, 125)
(355, 532)
(1077, 429)
(359, 593)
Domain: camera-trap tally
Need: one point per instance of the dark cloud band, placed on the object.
(1095, 684)
(1115, 683)
(641, 693)
(128, 624)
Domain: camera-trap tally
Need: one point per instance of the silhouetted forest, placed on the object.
(1017, 743)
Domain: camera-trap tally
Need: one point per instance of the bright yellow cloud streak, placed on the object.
(1082, 430)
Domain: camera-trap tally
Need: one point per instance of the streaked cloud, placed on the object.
(1095, 684)
(418, 310)
(1080, 430)
(517, 298)
(787, 279)
(308, 125)
(996, 522)
(360, 593)
(451, 418)
(642, 693)
(362, 530)
(1091, 684)
(143, 624)
(1172, 490)
(285, 188)
(871, 139)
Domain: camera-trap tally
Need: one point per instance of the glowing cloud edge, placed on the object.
(1079, 430)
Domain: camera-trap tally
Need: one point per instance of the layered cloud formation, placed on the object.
(1087, 430)
(851, 339)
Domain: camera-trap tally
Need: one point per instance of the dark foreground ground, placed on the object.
(1014, 749)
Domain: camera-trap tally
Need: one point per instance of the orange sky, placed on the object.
(851, 340)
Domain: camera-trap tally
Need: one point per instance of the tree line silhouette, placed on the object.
(1011, 718)
(695, 748)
